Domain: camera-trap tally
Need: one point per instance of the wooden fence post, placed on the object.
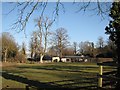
(27, 87)
(100, 76)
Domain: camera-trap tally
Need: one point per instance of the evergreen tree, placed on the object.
(113, 29)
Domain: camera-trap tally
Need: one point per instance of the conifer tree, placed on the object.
(113, 29)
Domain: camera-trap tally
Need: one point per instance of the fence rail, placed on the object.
(109, 75)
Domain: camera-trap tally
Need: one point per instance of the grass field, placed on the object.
(46, 76)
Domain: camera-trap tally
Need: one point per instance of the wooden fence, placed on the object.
(111, 76)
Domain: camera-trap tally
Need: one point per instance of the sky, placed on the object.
(80, 26)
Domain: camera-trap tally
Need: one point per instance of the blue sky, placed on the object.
(80, 26)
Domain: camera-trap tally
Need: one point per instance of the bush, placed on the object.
(105, 55)
(100, 56)
(20, 58)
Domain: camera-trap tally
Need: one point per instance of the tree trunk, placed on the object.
(31, 55)
(5, 55)
(45, 44)
(41, 58)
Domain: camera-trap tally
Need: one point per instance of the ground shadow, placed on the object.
(61, 68)
(52, 85)
(30, 83)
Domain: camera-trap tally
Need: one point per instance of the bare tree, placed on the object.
(44, 25)
(68, 51)
(22, 54)
(31, 47)
(100, 42)
(23, 49)
(60, 39)
(34, 43)
(81, 47)
(86, 48)
(53, 51)
(75, 47)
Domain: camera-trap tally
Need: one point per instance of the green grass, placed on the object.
(50, 75)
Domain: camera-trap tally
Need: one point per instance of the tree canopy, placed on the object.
(9, 46)
(113, 29)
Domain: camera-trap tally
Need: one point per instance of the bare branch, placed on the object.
(57, 8)
(22, 19)
(28, 16)
(44, 7)
(84, 6)
(24, 15)
(98, 8)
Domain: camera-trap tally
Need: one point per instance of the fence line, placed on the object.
(102, 75)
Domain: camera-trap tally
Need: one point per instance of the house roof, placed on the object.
(73, 56)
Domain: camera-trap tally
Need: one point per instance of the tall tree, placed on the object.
(113, 29)
(23, 49)
(81, 47)
(75, 47)
(22, 54)
(34, 44)
(86, 48)
(31, 47)
(9, 46)
(60, 40)
(100, 44)
(44, 24)
(68, 51)
(53, 51)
